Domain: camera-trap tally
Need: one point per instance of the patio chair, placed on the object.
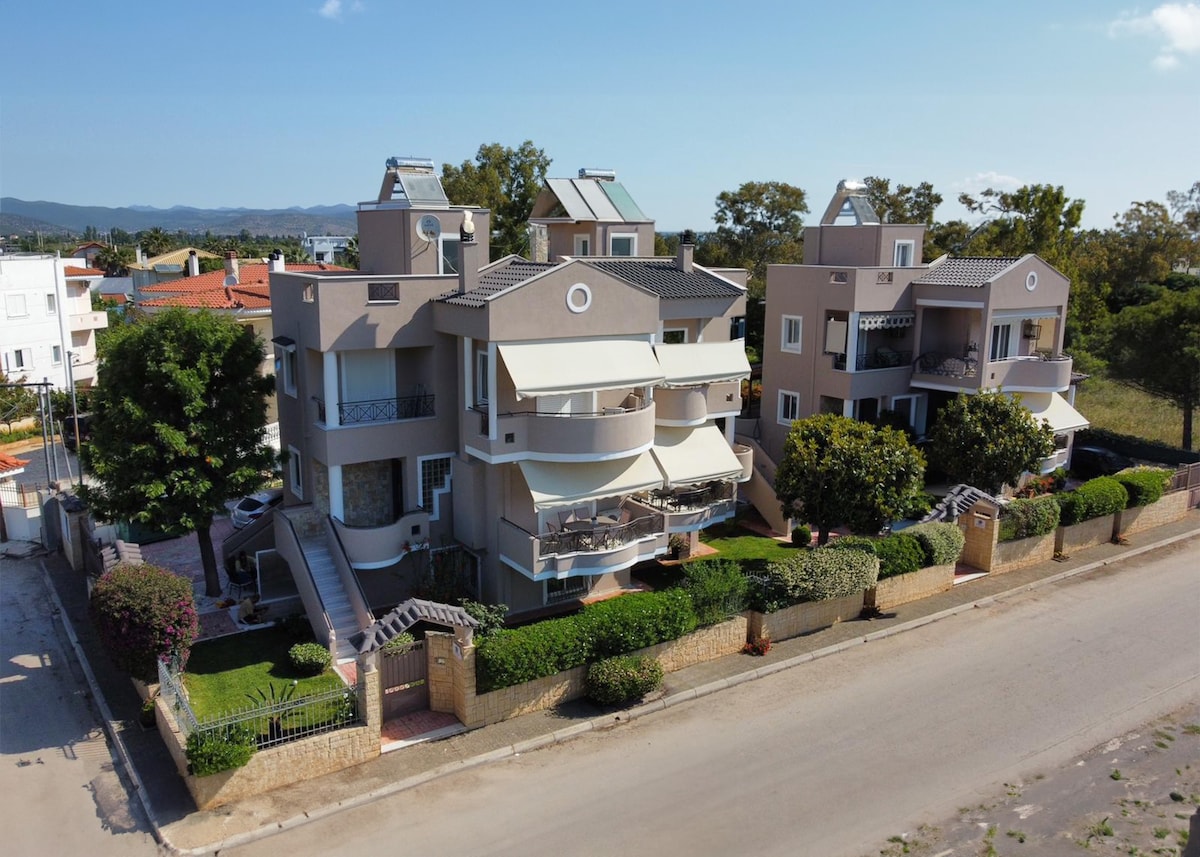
(241, 582)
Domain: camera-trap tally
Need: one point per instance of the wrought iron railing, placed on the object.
(599, 537)
(380, 410)
(887, 359)
(947, 365)
(277, 720)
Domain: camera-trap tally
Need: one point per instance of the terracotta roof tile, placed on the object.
(9, 463)
(251, 273)
(72, 271)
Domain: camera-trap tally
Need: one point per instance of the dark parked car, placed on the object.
(1088, 461)
(68, 430)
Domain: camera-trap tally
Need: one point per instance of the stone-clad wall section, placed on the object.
(1168, 508)
(803, 618)
(903, 588)
(1085, 534)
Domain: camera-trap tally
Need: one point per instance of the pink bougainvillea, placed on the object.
(143, 614)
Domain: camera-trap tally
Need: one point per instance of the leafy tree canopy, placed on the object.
(16, 402)
(1031, 219)
(177, 426)
(845, 472)
(759, 224)
(1156, 348)
(905, 204)
(505, 180)
(988, 440)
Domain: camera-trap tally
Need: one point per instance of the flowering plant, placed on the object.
(758, 647)
(142, 614)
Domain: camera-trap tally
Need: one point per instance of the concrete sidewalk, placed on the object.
(185, 830)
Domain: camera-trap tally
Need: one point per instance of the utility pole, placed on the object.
(75, 412)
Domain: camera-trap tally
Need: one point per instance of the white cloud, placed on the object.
(331, 9)
(1176, 25)
(991, 178)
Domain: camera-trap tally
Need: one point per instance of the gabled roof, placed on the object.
(663, 278)
(250, 274)
(587, 200)
(496, 278)
(406, 615)
(957, 501)
(175, 257)
(966, 271)
(71, 272)
(257, 296)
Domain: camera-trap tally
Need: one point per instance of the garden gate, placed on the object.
(403, 681)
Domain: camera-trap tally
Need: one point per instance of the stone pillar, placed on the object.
(981, 531)
(466, 708)
(439, 650)
(370, 703)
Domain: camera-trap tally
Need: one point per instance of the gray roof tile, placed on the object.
(967, 271)
(665, 280)
(495, 281)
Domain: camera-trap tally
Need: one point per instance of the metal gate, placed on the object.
(403, 680)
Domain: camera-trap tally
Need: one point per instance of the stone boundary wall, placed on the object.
(293, 762)
(1164, 510)
(803, 618)
(476, 710)
(1085, 534)
(1019, 553)
(903, 588)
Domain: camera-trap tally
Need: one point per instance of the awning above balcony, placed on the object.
(693, 363)
(885, 320)
(556, 484)
(690, 455)
(559, 368)
(1055, 409)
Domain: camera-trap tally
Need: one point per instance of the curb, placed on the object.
(560, 736)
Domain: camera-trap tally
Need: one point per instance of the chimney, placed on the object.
(275, 262)
(193, 264)
(468, 256)
(231, 265)
(687, 248)
(141, 257)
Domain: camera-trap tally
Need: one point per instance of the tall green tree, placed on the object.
(988, 440)
(840, 471)
(905, 204)
(1036, 218)
(505, 180)
(759, 224)
(114, 261)
(177, 426)
(1185, 205)
(155, 241)
(16, 401)
(1156, 348)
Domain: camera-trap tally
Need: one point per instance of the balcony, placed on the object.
(82, 321)
(880, 358)
(688, 508)
(1035, 372)
(380, 410)
(690, 405)
(379, 547)
(587, 550)
(611, 431)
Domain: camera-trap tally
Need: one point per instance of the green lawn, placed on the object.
(1113, 406)
(752, 550)
(221, 672)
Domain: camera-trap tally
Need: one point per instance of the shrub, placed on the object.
(604, 629)
(862, 543)
(815, 575)
(310, 658)
(399, 644)
(223, 749)
(143, 613)
(717, 589)
(801, 536)
(622, 678)
(1144, 485)
(489, 616)
(940, 542)
(899, 553)
(1022, 519)
(1095, 498)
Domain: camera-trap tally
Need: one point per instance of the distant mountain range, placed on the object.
(19, 217)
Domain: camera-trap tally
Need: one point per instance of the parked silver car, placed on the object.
(251, 507)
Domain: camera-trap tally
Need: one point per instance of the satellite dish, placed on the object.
(429, 228)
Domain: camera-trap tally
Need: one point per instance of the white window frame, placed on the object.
(15, 306)
(443, 263)
(56, 355)
(287, 368)
(482, 377)
(51, 303)
(309, 293)
(583, 245)
(906, 248)
(1001, 345)
(21, 358)
(784, 397)
(614, 236)
(296, 471)
(678, 330)
(784, 343)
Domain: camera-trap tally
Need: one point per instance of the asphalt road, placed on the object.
(833, 757)
(61, 792)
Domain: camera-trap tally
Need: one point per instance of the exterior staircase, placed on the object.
(333, 595)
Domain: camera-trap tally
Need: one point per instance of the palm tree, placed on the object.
(155, 241)
(114, 261)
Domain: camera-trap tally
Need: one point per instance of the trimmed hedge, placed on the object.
(717, 588)
(622, 678)
(212, 751)
(862, 543)
(815, 575)
(942, 543)
(600, 630)
(1023, 519)
(801, 536)
(1145, 485)
(309, 658)
(1095, 498)
(899, 553)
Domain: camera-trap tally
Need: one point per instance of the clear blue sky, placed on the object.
(276, 103)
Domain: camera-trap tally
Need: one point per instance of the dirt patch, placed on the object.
(1134, 795)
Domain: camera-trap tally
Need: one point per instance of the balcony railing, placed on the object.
(878, 359)
(600, 537)
(947, 365)
(380, 410)
(685, 499)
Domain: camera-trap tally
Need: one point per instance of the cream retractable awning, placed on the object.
(1055, 409)
(690, 455)
(553, 484)
(689, 364)
(559, 368)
